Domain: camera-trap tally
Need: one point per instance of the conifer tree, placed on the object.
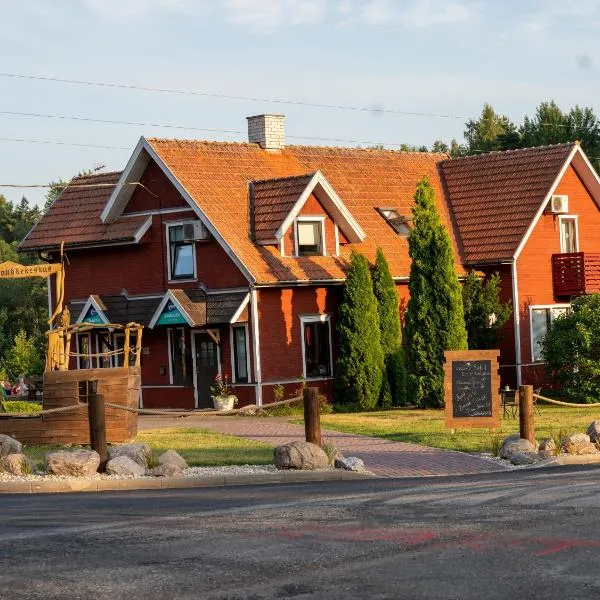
(394, 393)
(434, 317)
(360, 365)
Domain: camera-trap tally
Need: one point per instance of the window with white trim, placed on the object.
(541, 319)
(316, 346)
(179, 372)
(240, 353)
(84, 351)
(310, 237)
(181, 254)
(569, 241)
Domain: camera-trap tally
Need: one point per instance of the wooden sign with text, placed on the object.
(471, 388)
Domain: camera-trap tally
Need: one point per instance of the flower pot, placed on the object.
(224, 402)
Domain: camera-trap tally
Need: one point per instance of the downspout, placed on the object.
(516, 319)
(256, 345)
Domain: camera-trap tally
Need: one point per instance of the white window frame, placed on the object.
(168, 225)
(324, 318)
(231, 343)
(562, 218)
(169, 357)
(540, 307)
(77, 338)
(311, 219)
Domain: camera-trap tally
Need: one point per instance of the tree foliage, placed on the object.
(360, 364)
(23, 358)
(484, 313)
(394, 386)
(490, 132)
(571, 350)
(434, 317)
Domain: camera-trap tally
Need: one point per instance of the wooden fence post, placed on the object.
(97, 420)
(312, 416)
(526, 418)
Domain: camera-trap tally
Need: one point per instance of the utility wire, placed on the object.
(30, 141)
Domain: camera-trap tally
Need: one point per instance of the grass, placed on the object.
(202, 448)
(427, 426)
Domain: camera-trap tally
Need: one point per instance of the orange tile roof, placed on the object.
(217, 175)
(494, 197)
(75, 217)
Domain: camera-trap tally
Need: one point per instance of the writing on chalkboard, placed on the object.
(471, 388)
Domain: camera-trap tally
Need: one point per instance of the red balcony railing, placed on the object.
(576, 273)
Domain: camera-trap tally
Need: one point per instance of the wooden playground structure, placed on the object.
(67, 392)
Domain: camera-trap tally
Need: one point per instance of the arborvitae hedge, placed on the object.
(394, 393)
(434, 317)
(360, 366)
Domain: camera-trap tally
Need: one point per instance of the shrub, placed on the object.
(360, 364)
(434, 316)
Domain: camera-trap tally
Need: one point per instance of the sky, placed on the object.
(390, 72)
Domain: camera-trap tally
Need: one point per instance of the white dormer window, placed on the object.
(310, 236)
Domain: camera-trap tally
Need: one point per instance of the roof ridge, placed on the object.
(94, 175)
(512, 151)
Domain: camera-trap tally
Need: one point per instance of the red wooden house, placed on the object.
(233, 255)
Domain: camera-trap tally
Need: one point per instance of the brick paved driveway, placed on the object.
(382, 457)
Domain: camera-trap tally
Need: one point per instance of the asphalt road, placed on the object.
(518, 535)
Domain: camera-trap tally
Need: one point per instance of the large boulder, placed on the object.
(124, 467)
(594, 431)
(75, 463)
(16, 464)
(570, 443)
(513, 444)
(138, 453)
(170, 457)
(167, 470)
(9, 445)
(581, 449)
(523, 458)
(350, 463)
(303, 456)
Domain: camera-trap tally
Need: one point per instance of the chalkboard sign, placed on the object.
(472, 388)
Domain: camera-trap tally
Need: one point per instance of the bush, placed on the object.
(21, 406)
(571, 350)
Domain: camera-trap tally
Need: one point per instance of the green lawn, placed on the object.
(427, 426)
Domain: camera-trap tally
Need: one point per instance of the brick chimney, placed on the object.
(267, 130)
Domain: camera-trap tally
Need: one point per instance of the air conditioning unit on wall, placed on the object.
(195, 232)
(558, 205)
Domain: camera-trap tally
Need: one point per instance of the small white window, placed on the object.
(181, 254)
(310, 237)
(316, 346)
(239, 353)
(179, 373)
(541, 319)
(569, 241)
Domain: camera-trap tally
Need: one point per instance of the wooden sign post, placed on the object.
(471, 388)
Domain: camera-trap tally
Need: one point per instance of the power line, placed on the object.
(59, 143)
(373, 109)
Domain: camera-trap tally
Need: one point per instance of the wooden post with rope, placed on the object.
(526, 416)
(312, 416)
(97, 421)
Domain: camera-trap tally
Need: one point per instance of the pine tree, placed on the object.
(434, 317)
(394, 393)
(360, 366)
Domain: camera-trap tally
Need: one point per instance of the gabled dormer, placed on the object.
(302, 216)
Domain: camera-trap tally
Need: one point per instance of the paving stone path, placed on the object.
(382, 457)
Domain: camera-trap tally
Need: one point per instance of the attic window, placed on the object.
(309, 236)
(398, 222)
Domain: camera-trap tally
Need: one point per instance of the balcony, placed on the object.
(576, 274)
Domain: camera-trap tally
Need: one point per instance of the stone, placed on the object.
(581, 449)
(75, 463)
(303, 456)
(167, 470)
(547, 448)
(9, 445)
(138, 453)
(124, 467)
(513, 444)
(570, 442)
(594, 431)
(350, 463)
(170, 457)
(16, 464)
(523, 458)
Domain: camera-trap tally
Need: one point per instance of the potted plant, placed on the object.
(221, 394)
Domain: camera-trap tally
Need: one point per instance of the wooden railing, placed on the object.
(576, 273)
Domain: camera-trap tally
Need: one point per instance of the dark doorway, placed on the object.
(207, 366)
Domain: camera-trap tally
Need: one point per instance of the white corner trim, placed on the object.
(91, 302)
(336, 232)
(516, 319)
(353, 231)
(143, 229)
(542, 206)
(562, 218)
(169, 296)
(321, 318)
(240, 309)
(256, 345)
